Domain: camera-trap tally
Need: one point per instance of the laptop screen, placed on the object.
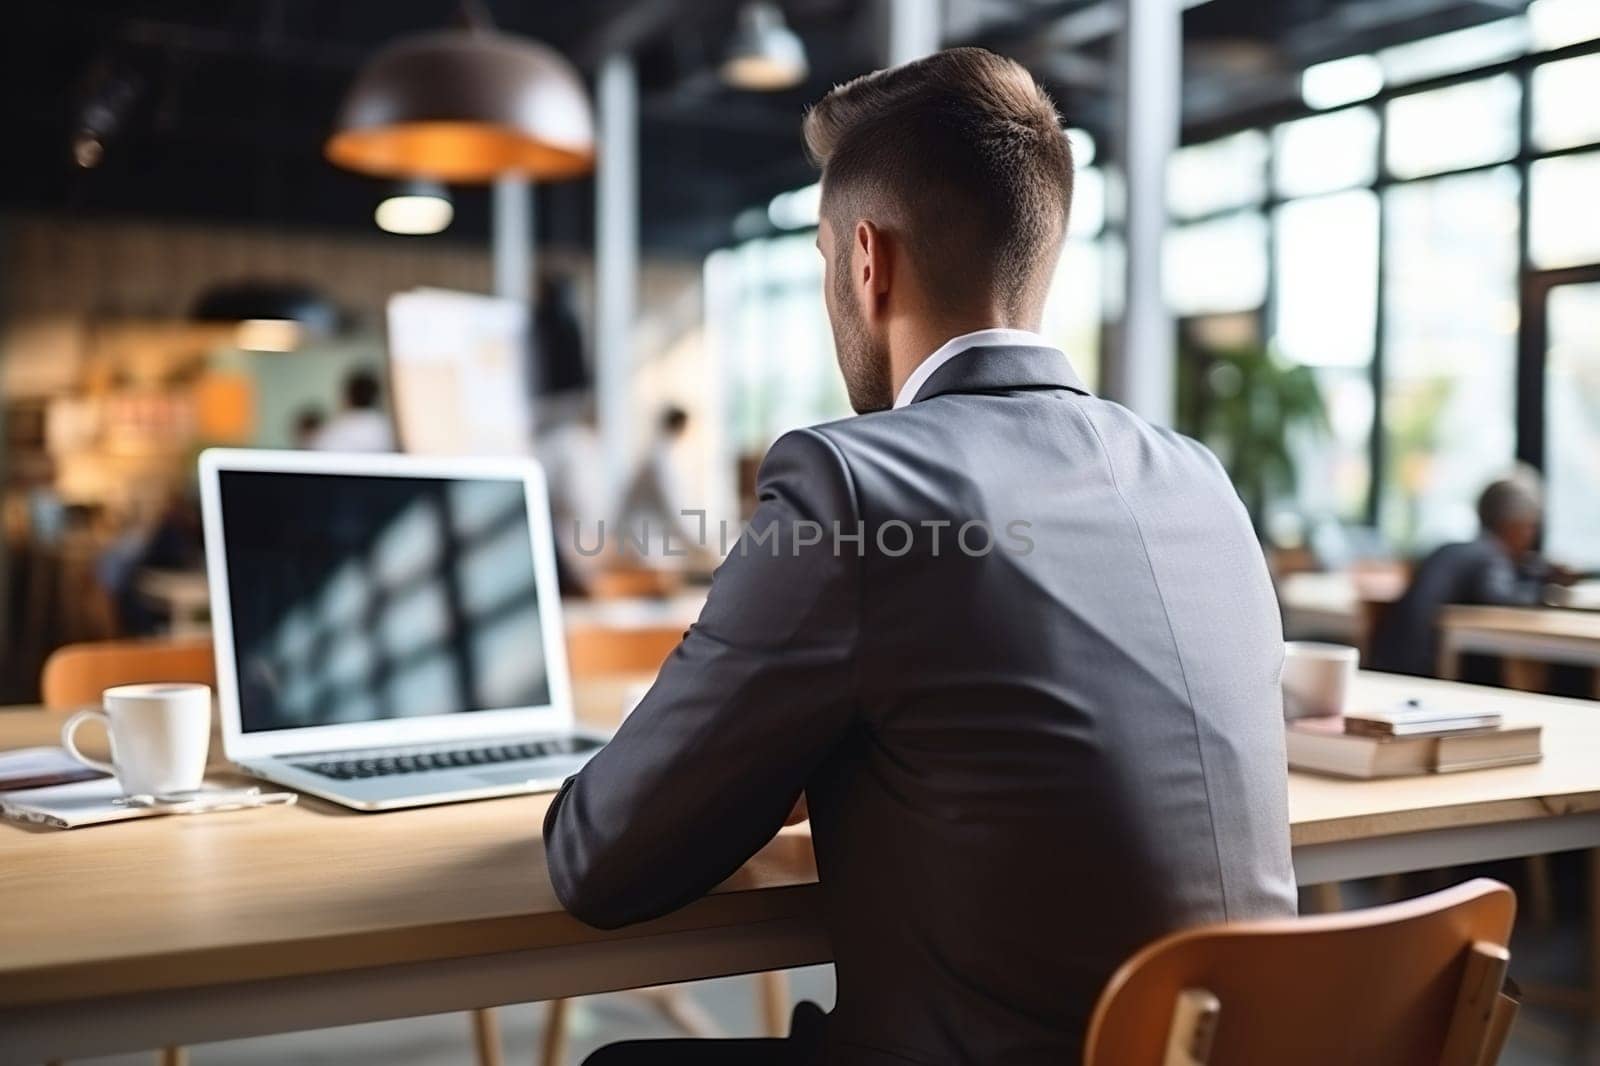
(356, 598)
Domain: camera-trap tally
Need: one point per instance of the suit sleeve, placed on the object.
(703, 772)
(1500, 582)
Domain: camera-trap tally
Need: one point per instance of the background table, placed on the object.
(186, 930)
(1540, 634)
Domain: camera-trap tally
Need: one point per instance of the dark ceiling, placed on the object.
(223, 106)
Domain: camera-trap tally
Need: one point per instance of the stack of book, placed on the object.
(1411, 739)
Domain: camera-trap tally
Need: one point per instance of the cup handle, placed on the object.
(71, 727)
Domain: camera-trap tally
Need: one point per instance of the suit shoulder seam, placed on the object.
(1177, 652)
(853, 493)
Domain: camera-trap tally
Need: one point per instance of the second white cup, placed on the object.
(1317, 678)
(160, 736)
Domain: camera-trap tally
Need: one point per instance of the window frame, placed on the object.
(1528, 402)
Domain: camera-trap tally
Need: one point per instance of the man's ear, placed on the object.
(870, 257)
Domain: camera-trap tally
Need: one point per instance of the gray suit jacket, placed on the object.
(1022, 764)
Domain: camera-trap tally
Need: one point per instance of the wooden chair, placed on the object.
(597, 651)
(1407, 984)
(634, 582)
(76, 675)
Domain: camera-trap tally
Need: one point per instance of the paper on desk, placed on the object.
(71, 806)
(38, 767)
(93, 802)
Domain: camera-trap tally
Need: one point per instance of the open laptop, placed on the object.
(387, 627)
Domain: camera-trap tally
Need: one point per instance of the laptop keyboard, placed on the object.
(412, 760)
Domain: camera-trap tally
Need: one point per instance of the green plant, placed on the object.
(1247, 404)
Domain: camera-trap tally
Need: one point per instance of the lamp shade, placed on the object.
(272, 316)
(465, 106)
(764, 54)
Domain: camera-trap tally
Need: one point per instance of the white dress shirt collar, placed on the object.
(983, 338)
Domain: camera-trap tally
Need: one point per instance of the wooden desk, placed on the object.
(1542, 634)
(1337, 604)
(186, 930)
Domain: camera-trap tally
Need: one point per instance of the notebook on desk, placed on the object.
(1324, 746)
(387, 627)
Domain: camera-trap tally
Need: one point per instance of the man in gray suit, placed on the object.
(1015, 646)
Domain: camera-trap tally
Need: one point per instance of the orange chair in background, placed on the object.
(75, 675)
(1416, 983)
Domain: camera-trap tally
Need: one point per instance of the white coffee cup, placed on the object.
(1317, 678)
(160, 735)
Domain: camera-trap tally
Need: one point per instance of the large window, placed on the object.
(1401, 227)
(1383, 239)
(1572, 417)
(1564, 103)
(769, 329)
(1450, 341)
(1458, 126)
(1325, 287)
(1326, 152)
(1211, 177)
(1217, 265)
(1564, 226)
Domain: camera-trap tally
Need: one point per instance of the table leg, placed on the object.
(553, 1051)
(678, 1006)
(1594, 932)
(774, 989)
(1525, 675)
(1449, 665)
(486, 1036)
(1325, 898)
(1541, 890)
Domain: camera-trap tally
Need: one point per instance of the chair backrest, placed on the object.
(1408, 984)
(75, 675)
(634, 582)
(598, 650)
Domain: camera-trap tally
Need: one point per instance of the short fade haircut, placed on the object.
(962, 155)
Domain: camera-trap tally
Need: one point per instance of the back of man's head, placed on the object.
(962, 155)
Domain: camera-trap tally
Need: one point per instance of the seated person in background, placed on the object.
(361, 426)
(653, 521)
(308, 423)
(1015, 647)
(1500, 568)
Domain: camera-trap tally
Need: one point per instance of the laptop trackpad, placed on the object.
(511, 777)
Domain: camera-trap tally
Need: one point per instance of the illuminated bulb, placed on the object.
(415, 208)
(764, 55)
(268, 335)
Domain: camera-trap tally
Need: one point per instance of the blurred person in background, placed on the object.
(307, 424)
(173, 540)
(362, 425)
(1501, 568)
(655, 501)
(568, 447)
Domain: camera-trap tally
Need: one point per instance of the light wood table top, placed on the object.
(1560, 623)
(185, 902)
(1566, 781)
